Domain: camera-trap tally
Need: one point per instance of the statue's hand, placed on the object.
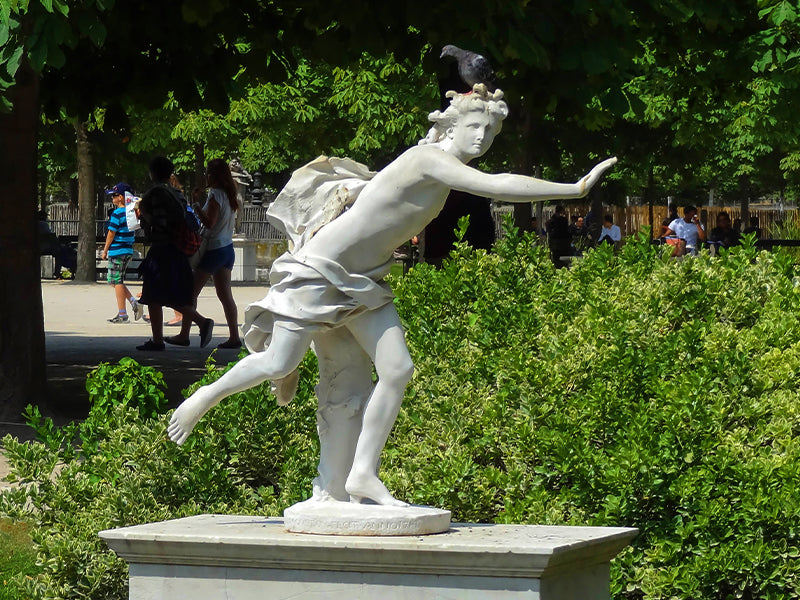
(594, 175)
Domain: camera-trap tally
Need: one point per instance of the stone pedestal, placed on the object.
(216, 557)
(47, 264)
(244, 265)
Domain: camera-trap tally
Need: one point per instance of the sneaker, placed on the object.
(119, 319)
(206, 330)
(138, 309)
(151, 345)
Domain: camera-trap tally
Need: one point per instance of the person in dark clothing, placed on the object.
(49, 244)
(558, 236)
(440, 233)
(724, 234)
(753, 228)
(580, 236)
(166, 275)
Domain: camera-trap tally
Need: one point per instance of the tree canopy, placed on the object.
(691, 94)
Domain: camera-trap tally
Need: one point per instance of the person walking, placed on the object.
(166, 275)
(218, 215)
(118, 250)
(177, 317)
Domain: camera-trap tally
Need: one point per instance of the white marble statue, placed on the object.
(344, 222)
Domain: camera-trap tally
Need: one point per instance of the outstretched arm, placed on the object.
(509, 187)
(594, 175)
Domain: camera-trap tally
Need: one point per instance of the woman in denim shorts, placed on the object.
(218, 215)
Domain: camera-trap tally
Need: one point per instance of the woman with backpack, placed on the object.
(218, 216)
(166, 275)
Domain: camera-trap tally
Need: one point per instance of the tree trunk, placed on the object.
(523, 212)
(745, 211)
(649, 196)
(199, 168)
(22, 355)
(87, 208)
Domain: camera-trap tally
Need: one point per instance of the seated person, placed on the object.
(50, 245)
(688, 228)
(610, 233)
(664, 227)
(724, 234)
(581, 239)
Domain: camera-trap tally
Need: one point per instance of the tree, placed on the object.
(368, 110)
(563, 65)
(30, 36)
(59, 38)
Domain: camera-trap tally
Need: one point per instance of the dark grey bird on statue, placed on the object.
(472, 67)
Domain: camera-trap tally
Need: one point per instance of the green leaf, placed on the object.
(12, 62)
(5, 11)
(97, 33)
(4, 33)
(783, 12)
(38, 54)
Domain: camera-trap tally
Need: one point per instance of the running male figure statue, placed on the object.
(328, 289)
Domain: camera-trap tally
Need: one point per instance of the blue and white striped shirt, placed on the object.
(123, 238)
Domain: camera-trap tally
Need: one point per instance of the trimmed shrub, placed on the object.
(631, 389)
(118, 468)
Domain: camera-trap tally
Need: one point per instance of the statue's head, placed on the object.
(478, 109)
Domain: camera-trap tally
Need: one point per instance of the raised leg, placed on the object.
(380, 334)
(287, 348)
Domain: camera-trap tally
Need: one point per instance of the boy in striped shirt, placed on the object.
(119, 250)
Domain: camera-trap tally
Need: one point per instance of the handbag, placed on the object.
(678, 245)
(195, 259)
(187, 241)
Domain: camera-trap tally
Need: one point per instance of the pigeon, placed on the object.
(472, 67)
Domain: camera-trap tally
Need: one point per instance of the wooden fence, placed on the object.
(632, 219)
(252, 223)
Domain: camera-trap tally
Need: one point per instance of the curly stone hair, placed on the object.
(479, 99)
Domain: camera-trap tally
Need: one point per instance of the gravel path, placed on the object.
(79, 337)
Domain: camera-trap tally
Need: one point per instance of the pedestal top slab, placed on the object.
(469, 549)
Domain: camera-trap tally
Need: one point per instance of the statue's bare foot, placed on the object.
(285, 388)
(188, 414)
(369, 486)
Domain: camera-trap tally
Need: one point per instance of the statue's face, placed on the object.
(474, 133)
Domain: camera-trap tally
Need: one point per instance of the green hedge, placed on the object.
(629, 390)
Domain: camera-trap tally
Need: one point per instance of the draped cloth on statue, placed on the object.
(316, 194)
(313, 293)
